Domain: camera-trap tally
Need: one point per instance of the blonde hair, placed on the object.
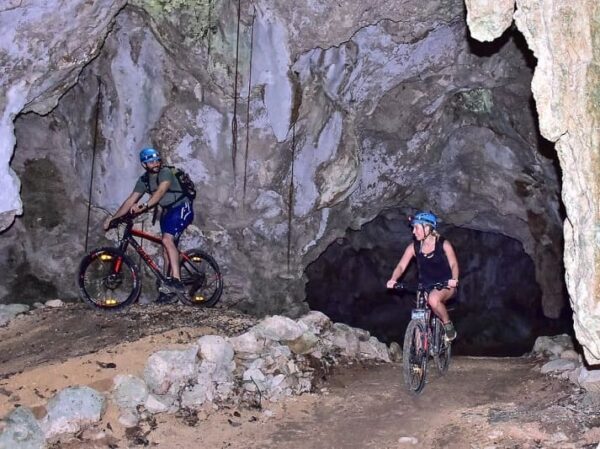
(432, 231)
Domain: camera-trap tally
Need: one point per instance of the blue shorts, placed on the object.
(175, 219)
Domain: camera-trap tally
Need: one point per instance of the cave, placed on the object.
(309, 145)
(497, 310)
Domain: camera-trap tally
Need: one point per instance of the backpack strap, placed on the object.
(146, 180)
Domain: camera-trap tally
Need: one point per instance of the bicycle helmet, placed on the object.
(424, 218)
(149, 155)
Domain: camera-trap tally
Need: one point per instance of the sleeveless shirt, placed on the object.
(433, 267)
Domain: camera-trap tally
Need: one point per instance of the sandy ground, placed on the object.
(480, 403)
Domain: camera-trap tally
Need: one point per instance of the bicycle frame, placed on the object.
(423, 312)
(128, 239)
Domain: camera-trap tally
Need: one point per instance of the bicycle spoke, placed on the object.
(200, 272)
(108, 279)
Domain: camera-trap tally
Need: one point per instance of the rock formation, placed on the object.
(565, 40)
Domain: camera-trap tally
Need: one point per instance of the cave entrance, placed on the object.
(498, 309)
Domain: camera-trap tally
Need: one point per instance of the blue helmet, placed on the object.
(149, 155)
(424, 218)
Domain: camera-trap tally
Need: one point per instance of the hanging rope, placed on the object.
(248, 108)
(94, 145)
(210, 26)
(234, 123)
(291, 200)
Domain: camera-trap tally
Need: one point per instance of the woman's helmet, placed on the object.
(424, 218)
(149, 155)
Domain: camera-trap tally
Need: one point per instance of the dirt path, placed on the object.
(481, 403)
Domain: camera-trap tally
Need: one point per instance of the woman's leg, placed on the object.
(437, 301)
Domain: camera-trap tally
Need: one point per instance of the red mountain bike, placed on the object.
(424, 337)
(110, 280)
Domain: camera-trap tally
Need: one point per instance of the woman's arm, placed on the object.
(409, 253)
(453, 262)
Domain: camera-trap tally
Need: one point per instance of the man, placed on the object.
(164, 190)
(436, 263)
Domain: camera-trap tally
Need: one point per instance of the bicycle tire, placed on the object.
(414, 356)
(201, 274)
(100, 287)
(442, 358)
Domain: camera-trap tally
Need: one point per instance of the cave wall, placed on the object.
(388, 103)
(565, 39)
(43, 47)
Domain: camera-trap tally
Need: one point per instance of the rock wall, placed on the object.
(43, 48)
(292, 132)
(565, 38)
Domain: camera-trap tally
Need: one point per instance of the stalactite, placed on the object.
(248, 108)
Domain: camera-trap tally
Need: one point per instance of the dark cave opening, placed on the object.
(497, 311)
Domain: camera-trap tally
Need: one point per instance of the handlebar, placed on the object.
(414, 289)
(127, 219)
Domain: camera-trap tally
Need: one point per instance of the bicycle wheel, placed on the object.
(108, 279)
(414, 357)
(201, 274)
(442, 358)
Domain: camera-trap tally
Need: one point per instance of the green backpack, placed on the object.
(187, 185)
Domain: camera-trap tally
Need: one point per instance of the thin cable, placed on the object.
(94, 144)
(234, 124)
(291, 201)
(248, 108)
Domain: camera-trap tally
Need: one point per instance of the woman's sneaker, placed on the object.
(450, 331)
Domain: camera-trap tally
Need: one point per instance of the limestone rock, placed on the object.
(488, 19)
(22, 431)
(71, 409)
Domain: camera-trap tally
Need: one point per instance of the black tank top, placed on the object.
(433, 267)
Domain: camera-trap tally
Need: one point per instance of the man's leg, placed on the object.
(166, 264)
(170, 248)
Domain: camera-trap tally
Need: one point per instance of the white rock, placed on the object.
(70, 409)
(590, 380)
(316, 321)
(558, 366)
(167, 371)
(156, 404)
(408, 440)
(280, 328)
(21, 430)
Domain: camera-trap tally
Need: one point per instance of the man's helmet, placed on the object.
(424, 218)
(149, 155)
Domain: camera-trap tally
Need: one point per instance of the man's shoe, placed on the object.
(173, 285)
(166, 298)
(450, 331)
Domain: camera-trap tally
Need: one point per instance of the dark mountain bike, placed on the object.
(110, 280)
(424, 337)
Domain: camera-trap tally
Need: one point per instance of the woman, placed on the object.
(436, 263)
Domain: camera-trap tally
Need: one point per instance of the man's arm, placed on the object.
(163, 188)
(124, 208)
